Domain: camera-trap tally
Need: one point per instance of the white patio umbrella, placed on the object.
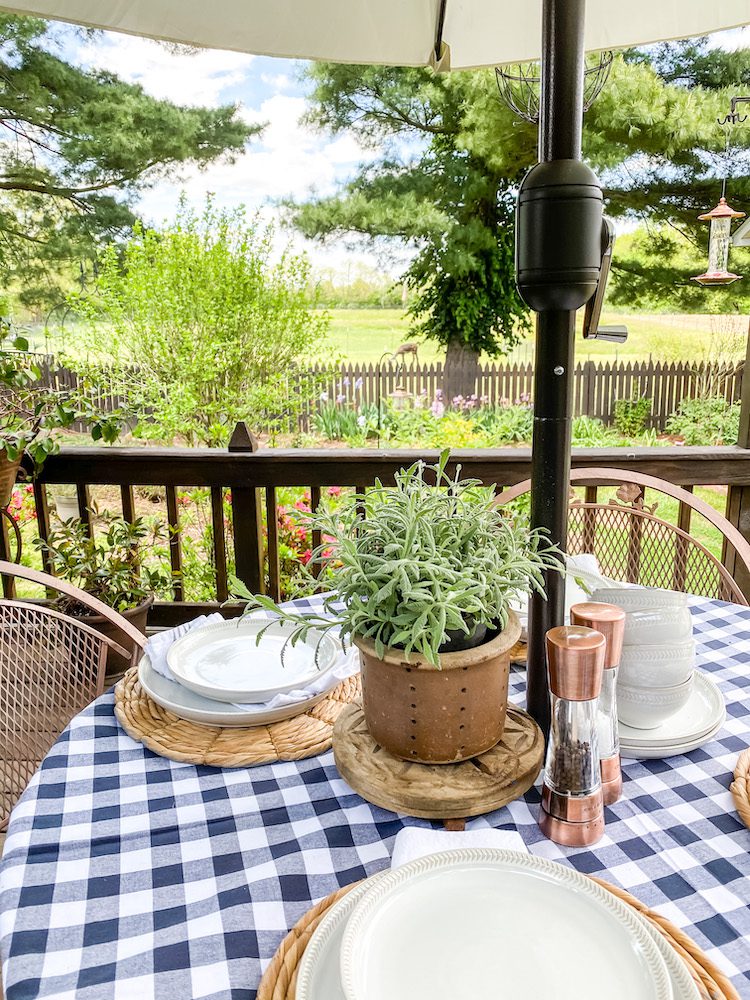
(559, 224)
(395, 32)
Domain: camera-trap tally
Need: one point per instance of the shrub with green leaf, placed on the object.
(708, 421)
(631, 415)
(432, 555)
(107, 564)
(204, 325)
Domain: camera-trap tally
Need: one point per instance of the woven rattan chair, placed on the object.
(632, 543)
(51, 667)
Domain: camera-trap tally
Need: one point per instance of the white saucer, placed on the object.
(702, 713)
(659, 752)
(226, 661)
(186, 704)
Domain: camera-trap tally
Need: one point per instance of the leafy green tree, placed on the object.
(428, 190)
(199, 325)
(450, 155)
(653, 137)
(76, 147)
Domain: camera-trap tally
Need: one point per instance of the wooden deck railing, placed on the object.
(254, 476)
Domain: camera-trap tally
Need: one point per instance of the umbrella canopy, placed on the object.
(394, 32)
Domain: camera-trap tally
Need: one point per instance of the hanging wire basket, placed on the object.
(520, 88)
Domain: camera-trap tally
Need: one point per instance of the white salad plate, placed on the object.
(703, 712)
(472, 923)
(632, 752)
(225, 661)
(319, 975)
(188, 705)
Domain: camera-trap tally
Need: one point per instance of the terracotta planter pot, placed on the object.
(420, 713)
(116, 664)
(8, 472)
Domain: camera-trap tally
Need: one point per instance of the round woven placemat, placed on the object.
(280, 978)
(190, 743)
(740, 787)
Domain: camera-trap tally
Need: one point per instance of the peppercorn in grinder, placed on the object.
(610, 621)
(572, 810)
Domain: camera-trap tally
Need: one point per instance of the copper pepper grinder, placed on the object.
(610, 621)
(572, 811)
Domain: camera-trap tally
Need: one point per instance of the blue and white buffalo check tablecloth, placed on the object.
(128, 876)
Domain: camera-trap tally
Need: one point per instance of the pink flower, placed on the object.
(334, 491)
(437, 408)
(305, 557)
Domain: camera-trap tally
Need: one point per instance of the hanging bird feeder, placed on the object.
(719, 239)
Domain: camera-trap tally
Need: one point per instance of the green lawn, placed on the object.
(364, 335)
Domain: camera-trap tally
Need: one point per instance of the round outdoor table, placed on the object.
(128, 875)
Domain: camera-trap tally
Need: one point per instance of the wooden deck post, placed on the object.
(247, 519)
(738, 497)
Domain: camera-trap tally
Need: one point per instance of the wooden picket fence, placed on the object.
(597, 385)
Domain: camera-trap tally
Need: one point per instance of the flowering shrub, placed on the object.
(22, 507)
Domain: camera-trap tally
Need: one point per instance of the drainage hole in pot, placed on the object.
(412, 688)
(413, 722)
(463, 708)
(463, 690)
(414, 737)
(413, 705)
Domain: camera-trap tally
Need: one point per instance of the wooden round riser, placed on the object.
(439, 791)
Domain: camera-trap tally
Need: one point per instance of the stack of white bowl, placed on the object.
(656, 672)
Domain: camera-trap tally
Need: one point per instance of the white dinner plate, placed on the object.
(460, 925)
(187, 704)
(702, 713)
(319, 976)
(660, 752)
(225, 662)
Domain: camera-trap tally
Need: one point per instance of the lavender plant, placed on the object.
(433, 554)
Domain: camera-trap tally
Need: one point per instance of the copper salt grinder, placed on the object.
(610, 621)
(572, 810)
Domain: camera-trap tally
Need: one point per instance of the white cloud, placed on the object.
(176, 74)
(288, 160)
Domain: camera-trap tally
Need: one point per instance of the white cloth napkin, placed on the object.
(417, 842)
(347, 665)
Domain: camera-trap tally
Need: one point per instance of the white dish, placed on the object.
(639, 598)
(319, 976)
(657, 625)
(646, 708)
(657, 666)
(187, 704)
(683, 984)
(656, 752)
(464, 923)
(225, 663)
(702, 713)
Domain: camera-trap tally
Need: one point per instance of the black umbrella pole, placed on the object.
(550, 477)
(560, 126)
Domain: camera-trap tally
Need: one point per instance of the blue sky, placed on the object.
(288, 160)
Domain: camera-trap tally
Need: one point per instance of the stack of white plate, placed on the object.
(698, 721)
(222, 675)
(475, 924)
(665, 705)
